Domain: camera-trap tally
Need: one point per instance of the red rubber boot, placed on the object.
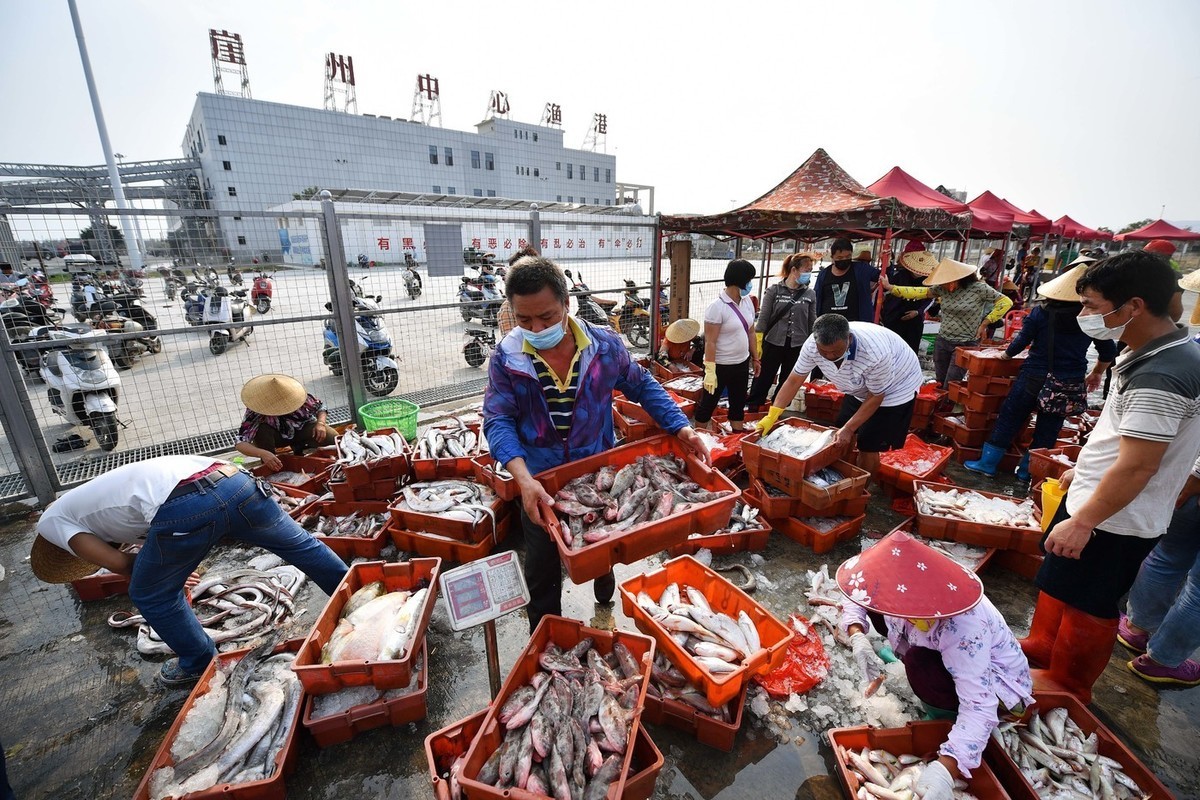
(1081, 652)
(1039, 644)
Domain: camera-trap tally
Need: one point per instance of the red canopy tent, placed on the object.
(1074, 230)
(1037, 223)
(1159, 229)
(908, 190)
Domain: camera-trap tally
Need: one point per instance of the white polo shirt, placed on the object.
(878, 362)
(733, 341)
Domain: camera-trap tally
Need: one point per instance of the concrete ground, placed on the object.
(83, 715)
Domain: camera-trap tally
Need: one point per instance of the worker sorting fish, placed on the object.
(376, 625)
(891, 776)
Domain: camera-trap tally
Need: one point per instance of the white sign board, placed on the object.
(483, 590)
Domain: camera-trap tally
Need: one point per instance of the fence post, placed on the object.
(656, 309)
(535, 227)
(23, 435)
(342, 299)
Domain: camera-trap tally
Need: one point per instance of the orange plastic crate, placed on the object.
(979, 419)
(776, 508)
(1043, 465)
(972, 401)
(771, 465)
(596, 559)
(968, 359)
(505, 488)
(897, 476)
(437, 546)
(723, 596)
(851, 486)
(707, 730)
(988, 385)
(635, 412)
(100, 585)
(725, 543)
(960, 530)
(349, 547)
(319, 678)
(315, 465)
(663, 373)
(632, 430)
(818, 541)
(271, 788)
(382, 489)
(429, 469)
(472, 532)
(565, 633)
(927, 401)
(961, 434)
(391, 467)
(1023, 564)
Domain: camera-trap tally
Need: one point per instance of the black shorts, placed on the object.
(885, 430)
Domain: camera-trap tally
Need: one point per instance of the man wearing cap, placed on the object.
(281, 413)
(959, 655)
(1161, 247)
(177, 508)
(875, 369)
(907, 317)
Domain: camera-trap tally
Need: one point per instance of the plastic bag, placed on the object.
(804, 666)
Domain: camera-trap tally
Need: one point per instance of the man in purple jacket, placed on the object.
(549, 402)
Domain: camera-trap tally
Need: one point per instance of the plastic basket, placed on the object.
(1024, 540)
(960, 392)
(969, 359)
(799, 531)
(776, 508)
(897, 476)
(1042, 463)
(707, 730)
(349, 547)
(960, 433)
(391, 412)
(724, 543)
(434, 545)
(775, 467)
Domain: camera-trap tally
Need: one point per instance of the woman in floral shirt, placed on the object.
(280, 413)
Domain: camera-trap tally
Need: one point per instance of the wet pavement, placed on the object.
(83, 716)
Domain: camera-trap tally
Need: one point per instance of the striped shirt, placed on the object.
(1156, 398)
(878, 362)
(560, 392)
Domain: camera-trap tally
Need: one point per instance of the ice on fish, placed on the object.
(975, 507)
(797, 441)
(328, 705)
(686, 383)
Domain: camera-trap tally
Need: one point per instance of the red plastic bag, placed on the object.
(804, 666)
(728, 451)
(904, 505)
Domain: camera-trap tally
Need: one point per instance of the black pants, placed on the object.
(735, 378)
(776, 359)
(543, 574)
(910, 330)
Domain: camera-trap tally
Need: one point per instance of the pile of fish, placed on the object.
(353, 525)
(743, 518)
(234, 732)
(716, 642)
(376, 625)
(289, 477)
(824, 478)
(1060, 762)
(995, 352)
(891, 777)
(289, 503)
(681, 366)
(798, 442)
(975, 507)
(566, 732)
(668, 683)
(451, 499)
(234, 607)
(600, 504)
(359, 448)
(685, 383)
(968, 555)
(459, 441)
(328, 705)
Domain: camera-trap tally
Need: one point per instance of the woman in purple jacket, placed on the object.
(549, 402)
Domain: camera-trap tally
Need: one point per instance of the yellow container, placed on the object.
(1052, 495)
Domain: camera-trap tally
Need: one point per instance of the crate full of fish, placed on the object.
(371, 629)
(673, 700)
(446, 750)
(373, 456)
(305, 473)
(352, 530)
(746, 531)
(630, 430)
(793, 449)
(972, 556)
(566, 716)
(445, 450)
(975, 401)
(1052, 462)
(1064, 745)
(976, 517)
(820, 534)
(777, 504)
(635, 412)
(829, 485)
(887, 762)
(460, 508)
(235, 736)
(687, 386)
(730, 639)
(340, 716)
(495, 477)
(988, 360)
(633, 501)
(916, 461)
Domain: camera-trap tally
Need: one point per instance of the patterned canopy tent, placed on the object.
(818, 200)
(908, 190)
(1160, 229)
(991, 203)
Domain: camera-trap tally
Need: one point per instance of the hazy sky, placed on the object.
(1081, 108)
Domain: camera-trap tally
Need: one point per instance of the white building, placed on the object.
(257, 154)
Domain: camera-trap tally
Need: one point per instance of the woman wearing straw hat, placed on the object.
(1051, 380)
(967, 304)
(907, 317)
(178, 508)
(679, 341)
(280, 413)
(959, 655)
(788, 311)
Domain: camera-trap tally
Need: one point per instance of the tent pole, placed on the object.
(885, 257)
(762, 279)
(1037, 268)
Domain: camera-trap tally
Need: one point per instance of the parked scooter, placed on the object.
(234, 274)
(480, 344)
(230, 308)
(107, 317)
(261, 291)
(21, 317)
(82, 383)
(479, 298)
(412, 281)
(195, 298)
(85, 290)
(380, 371)
(39, 288)
(587, 307)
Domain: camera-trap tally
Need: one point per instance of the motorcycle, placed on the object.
(234, 274)
(229, 308)
(195, 299)
(82, 384)
(107, 318)
(363, 261)
(588, 308)
(412, 281)
(480, 344)
(633, 317)
(130, 306)
(84, 293)
(131, 282)
(479, 297)
(39, 288)
(22, 316)
(380, 370)
(173, 282)
(261, 291)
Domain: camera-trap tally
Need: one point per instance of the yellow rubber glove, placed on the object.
(710, 377)
(758, 337)
(764, 425)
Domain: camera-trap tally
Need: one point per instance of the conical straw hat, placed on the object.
(919, 262)
(902, 577)
(682, 330)
(1191, 281)
(948, 270)
(273, 395)
(52, 564)
(1063, 287)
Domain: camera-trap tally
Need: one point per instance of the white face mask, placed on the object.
(1093, 325)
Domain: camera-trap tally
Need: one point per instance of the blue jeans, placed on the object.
(1165, 598)
(1014, 414)
(182, 534)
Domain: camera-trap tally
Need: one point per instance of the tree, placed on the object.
(1133, 226)
(1103, 229)
(114, 234)
(306, 194)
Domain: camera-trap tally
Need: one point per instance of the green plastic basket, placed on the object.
(391, 413)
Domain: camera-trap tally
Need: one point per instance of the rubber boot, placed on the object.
(988, 462)
(1023, 468)
(1039, 644)
(933, 712)
(1081, 652)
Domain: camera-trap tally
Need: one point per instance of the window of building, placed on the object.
(596, 174)
(451, 190)
(449, 157)
(437, 190)
(489, 161)
(518, 170)
(491, 193)
(241, 240)
(433, 154)
(238, 219)
(233, 191)
(582, 172)
(560, 198)
(227, 166)
(535, 136)
(608, 175)
(608, 202)
(475, 159)
(221, 139)
(536, 173)
(570, 171)
(570, 198)
(596, 201)
(477, 192)
(558, 165)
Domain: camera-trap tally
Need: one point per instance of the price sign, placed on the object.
(483, 590)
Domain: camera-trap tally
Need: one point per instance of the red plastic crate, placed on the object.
(349, 547)
(1008, 461)
(776, 508)
(927, 401)
(663, 373)
(593, 560)
(1023, 564)
(973, 401)
(725, 543)
(368, 472)
(901, 478)
(813, 496)
(505, 488)
(968, 359)
(472, 532)
(707, 730)
(1018, 788)
(338, 728)
(1043, 465)
(565, 633)
(692, 395)
(821, 409)
(915, 738)
(632, 430)
(723, 596)
(770, 465)
(443, 547)
(429, 469)
(319, 678)
(635, 412)
(100, 585)
(819, 541)
(382, 489)
(316, 465)
(961, 530)
(272, 788)
(988, 385)
(979, 419)
(959, 433)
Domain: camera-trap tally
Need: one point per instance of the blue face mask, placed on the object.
(747, 289)
(544, 339)
(804, 280)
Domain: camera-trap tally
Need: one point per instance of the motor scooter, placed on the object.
(587, 307)
(234, 274)
(107, 317)
(412, 281)
(479, 345)
(230, 308)
(261, 291)
(479, 298)
(82, 384)
(195, 298)
(381, 372)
